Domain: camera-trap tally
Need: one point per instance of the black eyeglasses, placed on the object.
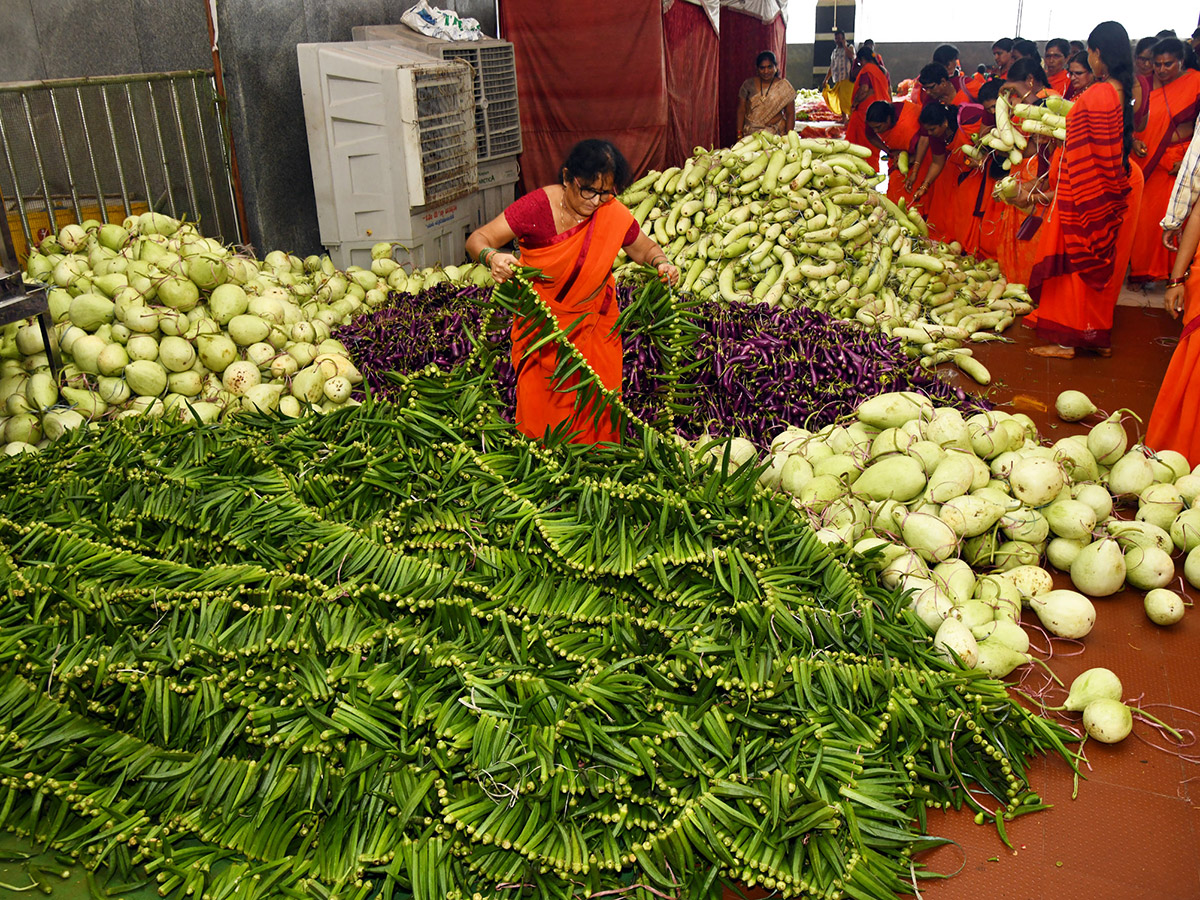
(592, 194)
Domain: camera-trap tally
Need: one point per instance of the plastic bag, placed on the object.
(444, 24)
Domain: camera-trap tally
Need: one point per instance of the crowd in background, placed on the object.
(1075, 218)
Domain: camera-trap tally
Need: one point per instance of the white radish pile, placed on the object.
(789, 220)
(965, 511)
(152, 318)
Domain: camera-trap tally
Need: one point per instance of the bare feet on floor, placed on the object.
(1054, 351)
(1058, 351)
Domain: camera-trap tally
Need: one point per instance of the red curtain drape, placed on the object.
(588, 70)
(742, 38)
(692, 66)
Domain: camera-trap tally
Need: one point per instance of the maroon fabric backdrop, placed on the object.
(692, 66)
(588, 70)
(742, 38)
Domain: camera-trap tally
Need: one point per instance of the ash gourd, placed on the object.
(152, 318)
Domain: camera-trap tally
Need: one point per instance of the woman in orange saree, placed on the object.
(1087, 236)
(975, 209)
(870, 86)
(894, 128)
(1175, 421)
(572, 232)
(1170, 116)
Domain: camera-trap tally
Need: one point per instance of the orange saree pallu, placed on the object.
(976, 211)
(942, 213)
(902, 137)
(1088, 234)
(1060, 82)
(578, 287)
(1175, 422)
(1167, 108)
(856, 129)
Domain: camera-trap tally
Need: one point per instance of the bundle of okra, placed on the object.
(401, 651)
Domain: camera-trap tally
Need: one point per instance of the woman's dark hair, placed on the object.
(1062, 44)
(945, 54)
(1111, 41)
(766, 56)
(1078, 47)
(593, 159)
(932, 73)
(1178, 49)
(1004, 44)
(1145, 44)
(1081, 58)
(1027, 49)
(1026, 67)
(936, 114)
(990, 90)
(865, 54)
(881, 111)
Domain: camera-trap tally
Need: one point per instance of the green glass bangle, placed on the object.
(483, 254)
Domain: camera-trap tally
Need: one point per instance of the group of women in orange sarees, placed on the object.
(1067, 229)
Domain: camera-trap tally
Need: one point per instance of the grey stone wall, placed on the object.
(45, 39)
(42, 39)
(258, 57)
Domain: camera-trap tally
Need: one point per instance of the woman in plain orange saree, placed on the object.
(572, 232)
(1175, 422)
(1088, 233)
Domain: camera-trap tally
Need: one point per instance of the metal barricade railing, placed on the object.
(109, 147)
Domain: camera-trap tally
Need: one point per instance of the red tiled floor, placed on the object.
(1133, 833)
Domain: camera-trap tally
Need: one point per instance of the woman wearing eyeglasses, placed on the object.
(1080, 72)
(766, 102)
(572, 231)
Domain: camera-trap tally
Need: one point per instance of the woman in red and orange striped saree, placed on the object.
(572, 232)
(1088, 233)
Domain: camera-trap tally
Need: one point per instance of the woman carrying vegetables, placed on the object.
(1175, 422)
(870, 86)
(1036, 176)
(1170, 116)
(1087, 236)
(766, 102)
(572, 231)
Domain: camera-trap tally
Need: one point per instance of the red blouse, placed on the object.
(532, 219)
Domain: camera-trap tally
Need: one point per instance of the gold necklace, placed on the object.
(563, 206)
